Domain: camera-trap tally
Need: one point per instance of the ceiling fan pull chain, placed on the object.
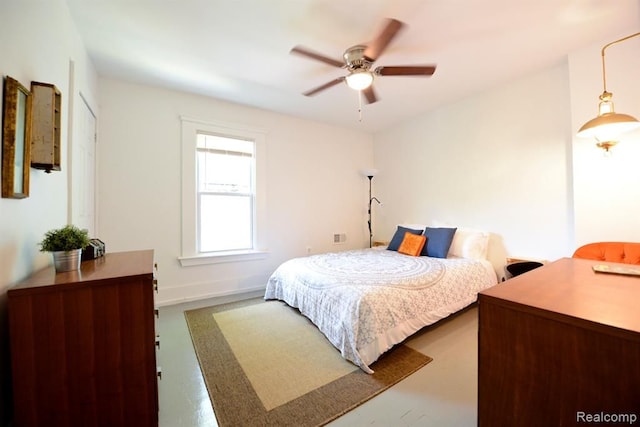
(359, 105)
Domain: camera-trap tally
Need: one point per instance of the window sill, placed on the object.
(221, 257)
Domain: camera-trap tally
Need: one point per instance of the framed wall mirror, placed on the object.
(16, 140)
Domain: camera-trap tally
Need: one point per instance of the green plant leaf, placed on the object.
(66, 238)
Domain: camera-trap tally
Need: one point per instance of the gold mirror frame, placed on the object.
(16, 140)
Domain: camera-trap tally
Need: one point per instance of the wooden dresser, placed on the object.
(558, 345)
(83, 344)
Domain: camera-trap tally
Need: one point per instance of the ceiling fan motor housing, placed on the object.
(355, 60)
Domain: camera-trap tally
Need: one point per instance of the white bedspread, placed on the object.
(366, 301)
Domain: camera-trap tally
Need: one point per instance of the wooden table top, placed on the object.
(570, 287)
(115, 264)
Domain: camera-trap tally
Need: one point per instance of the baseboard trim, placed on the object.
(231, 295)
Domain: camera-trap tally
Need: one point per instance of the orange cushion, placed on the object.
(412, 244)
(622, 252)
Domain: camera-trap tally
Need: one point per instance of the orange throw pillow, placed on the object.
(412, 244)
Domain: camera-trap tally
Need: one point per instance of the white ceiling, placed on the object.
(238, 50)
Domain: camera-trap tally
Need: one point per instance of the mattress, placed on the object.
(366, 301)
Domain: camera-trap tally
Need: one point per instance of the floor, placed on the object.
(443, 393)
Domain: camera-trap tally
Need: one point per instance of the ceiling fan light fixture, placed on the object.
(359, 80)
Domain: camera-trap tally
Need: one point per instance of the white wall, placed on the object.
(42, 52)
(607, 189)
(498, 161)
(507, 161)
(314, 188)
(37, 42)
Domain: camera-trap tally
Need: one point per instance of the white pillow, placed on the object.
(467, 242)
(414, 226)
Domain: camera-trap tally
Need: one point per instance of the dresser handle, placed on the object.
(155, 285)
(159, 372)
(158, 341)
(156, 312)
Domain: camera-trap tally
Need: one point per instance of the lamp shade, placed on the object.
(369, 172)
(359, 80)
(608, 126)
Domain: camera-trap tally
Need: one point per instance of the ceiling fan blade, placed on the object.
(317, 56)
(323, 87)
(408, 70)
(370, 94)
(375, 48)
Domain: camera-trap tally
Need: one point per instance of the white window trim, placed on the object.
(189, 255)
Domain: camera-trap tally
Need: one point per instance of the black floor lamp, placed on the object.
(370, 173)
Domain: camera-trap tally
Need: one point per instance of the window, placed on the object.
(223, 206)
(225, 193)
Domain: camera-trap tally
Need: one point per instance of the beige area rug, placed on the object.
(265, 364)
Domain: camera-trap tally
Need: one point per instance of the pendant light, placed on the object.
(608, 125)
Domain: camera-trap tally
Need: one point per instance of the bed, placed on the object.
(366, 301)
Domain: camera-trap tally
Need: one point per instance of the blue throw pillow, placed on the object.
(438, 242)
(396, 241)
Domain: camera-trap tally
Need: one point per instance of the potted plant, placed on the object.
(66, 245)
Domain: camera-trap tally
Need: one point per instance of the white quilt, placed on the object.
(366, 301)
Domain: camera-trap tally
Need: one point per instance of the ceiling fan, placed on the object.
(359, 59)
